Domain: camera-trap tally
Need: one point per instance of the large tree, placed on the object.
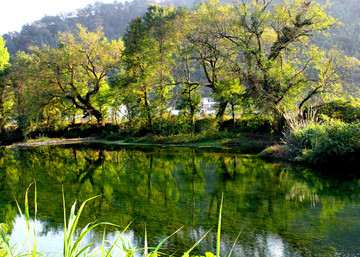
(4, 55)
(4, 62)
(77, 70)
(148, 60)
(214, 55)
(271, 42)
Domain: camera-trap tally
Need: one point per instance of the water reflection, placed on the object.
(280, 210)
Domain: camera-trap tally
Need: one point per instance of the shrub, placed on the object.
(208, 124)
(332, 142)
(341, 110)
(255, 123)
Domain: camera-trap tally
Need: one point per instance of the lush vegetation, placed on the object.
(329, 142)
(255, 58)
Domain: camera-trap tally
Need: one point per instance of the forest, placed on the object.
(285, 68)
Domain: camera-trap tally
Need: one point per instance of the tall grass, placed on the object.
(331, 141)
(5, 248)
(25, 217)
(74, 245)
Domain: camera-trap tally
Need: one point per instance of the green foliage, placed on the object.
(331, 142)
(255, 123)
(255, 57)
(5, 92)
(341, 110)
(206, 125)
(4, 55)
(5, 248)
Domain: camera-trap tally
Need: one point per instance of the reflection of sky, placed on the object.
(51, 243)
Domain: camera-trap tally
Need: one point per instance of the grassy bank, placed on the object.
(241, 141)
(331, 143)
(252, 133)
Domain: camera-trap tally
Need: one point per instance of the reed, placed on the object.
(74, 244)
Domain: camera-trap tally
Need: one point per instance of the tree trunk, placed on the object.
(192, 117)
(221, 111)
(147, 107)
(233, 114)
(98, 115)
(278, 121)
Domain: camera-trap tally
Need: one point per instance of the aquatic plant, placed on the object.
(74, 243)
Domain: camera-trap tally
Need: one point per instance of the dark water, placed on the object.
(280, 210)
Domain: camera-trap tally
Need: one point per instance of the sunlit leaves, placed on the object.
(77, 70)
(4, 55)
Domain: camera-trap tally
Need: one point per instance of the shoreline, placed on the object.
(53, 142)
(251, 143)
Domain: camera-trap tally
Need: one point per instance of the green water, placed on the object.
(280, 210)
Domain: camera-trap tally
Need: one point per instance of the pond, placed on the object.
(278, 209)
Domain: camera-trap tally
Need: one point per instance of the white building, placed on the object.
(207, 105)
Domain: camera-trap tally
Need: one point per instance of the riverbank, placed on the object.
(252, 143)
(54, 141)
(332, 144)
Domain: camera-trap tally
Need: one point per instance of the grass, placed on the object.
(327, 142)
(242, 142)
(41, 138)
(73, 244)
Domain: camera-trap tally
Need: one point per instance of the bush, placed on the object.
(331, 142)
(254, 123)
(208, 124)
(341, 110)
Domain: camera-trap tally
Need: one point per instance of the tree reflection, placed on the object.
(168, 188)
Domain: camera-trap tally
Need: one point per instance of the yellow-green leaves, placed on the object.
(77, 70)
(4, 55)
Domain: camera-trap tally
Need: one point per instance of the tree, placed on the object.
(31, 99)
(148, 59)
(213, 54)
(138, 68)
(327, 77)
(186, 68)
(77, 71)
(4, 63)
(159, 22)
(268, 40)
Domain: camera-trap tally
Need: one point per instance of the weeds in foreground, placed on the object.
(73, 241)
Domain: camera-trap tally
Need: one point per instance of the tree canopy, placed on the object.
(4, 55)
(254, 56)
(77, 70)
